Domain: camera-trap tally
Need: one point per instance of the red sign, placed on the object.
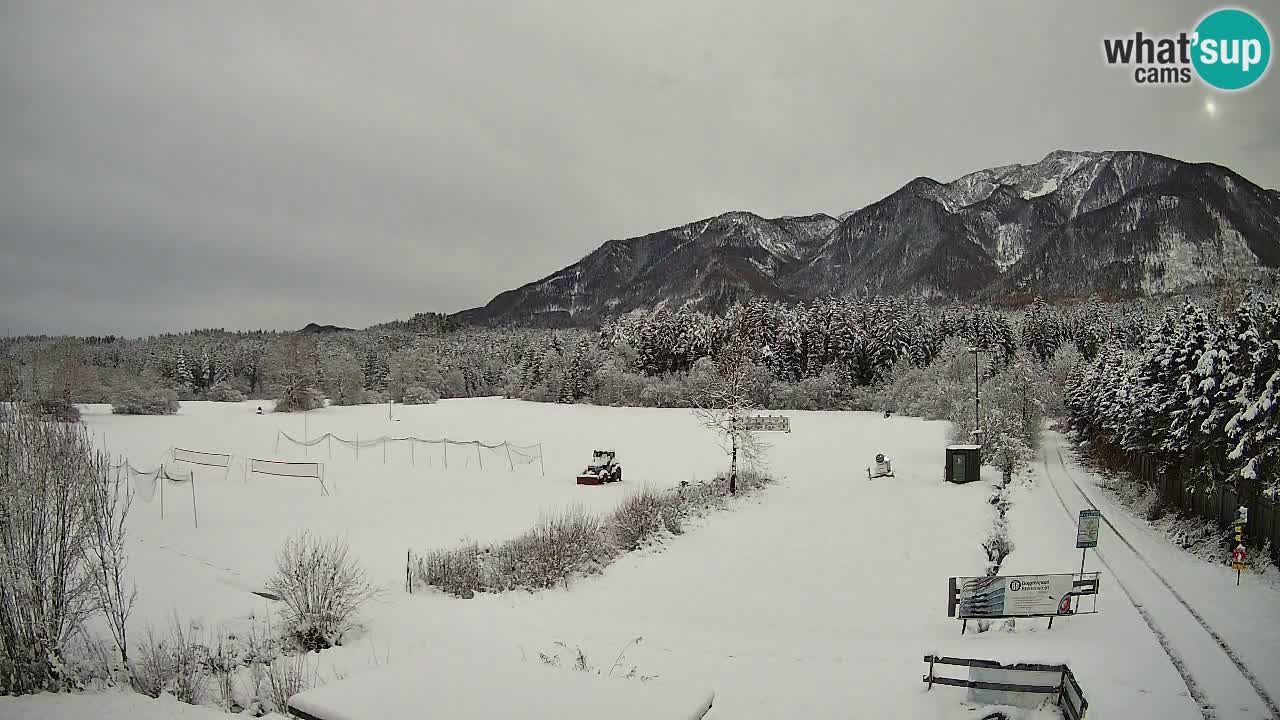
(1237, 555)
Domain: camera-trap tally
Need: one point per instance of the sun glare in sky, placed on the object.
(1210, 108)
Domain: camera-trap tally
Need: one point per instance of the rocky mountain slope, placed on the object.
(1074, 223)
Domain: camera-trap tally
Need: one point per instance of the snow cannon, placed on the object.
(604, 468)
(882, 468)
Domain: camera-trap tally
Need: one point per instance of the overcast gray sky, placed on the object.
(167, 166)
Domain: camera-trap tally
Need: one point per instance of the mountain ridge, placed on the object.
(1116, 222)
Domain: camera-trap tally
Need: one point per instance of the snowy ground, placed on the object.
(816, 599)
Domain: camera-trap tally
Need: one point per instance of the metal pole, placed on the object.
(446, 453)
(512, 464)
(976, 421)
(413, 445)
(357, 447)
(540, 463)
(160, 479)
(408, 577)
(194, 516)
(1082, 552)
(330, 441)
(478, 458)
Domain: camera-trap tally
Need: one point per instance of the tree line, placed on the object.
(1200, 393)
(824, 354)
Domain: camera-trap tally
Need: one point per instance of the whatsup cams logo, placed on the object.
(1229, 49)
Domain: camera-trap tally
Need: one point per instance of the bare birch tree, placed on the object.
(724, 403)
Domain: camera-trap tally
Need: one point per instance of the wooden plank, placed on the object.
(992, 664)
(1007, 687)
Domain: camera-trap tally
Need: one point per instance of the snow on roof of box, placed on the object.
(964, 447)
(444, 688)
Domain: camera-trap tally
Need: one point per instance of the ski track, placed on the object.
(1207, 707)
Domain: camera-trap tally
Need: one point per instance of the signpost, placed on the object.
(1238, 555)
(1087, 532)
(1237, 561)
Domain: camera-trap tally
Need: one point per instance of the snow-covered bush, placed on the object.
(49, 475)
(173, 663)
(457, 571)
(557, 547)
(573, 542)
(225, 392)
(56, 409)
(643, 515)
(418, 395)
(322, 589)
(135, 399)
(287, 676)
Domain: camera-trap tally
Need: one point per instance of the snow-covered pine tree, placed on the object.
(1255, 426)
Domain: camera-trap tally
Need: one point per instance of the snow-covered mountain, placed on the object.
(1074, 223)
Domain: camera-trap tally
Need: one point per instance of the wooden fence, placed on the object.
(1218, 504)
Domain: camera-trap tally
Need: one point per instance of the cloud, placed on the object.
(248, 165)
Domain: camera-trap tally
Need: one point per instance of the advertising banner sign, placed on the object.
(1015, 596)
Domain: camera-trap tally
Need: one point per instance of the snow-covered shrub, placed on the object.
(322, 589)
(418, 395)
(457, 571)
(48, 476)
(573, 542)
(225, 392)
(135, 399)
(173, 663)
(559, 546)
(287, 676)
(643, 515)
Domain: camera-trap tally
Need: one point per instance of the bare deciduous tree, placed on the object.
(110, 498)
(291, 373)
(724, 404)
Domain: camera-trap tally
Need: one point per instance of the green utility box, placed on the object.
(964, 463)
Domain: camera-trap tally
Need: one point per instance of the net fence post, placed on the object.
(330, 441)
(478, 458)
(540, 462)
(357, 447)
(413, 452)
(507, 445)
(160, 477)
(446, 453)
(195, 517)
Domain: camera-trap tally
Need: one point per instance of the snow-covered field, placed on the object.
(817, 598)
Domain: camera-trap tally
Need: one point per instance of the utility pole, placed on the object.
(976, 402)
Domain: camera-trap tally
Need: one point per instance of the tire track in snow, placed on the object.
(1175, 658)
(1221, 642)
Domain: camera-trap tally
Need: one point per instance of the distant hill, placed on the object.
(314, 329)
